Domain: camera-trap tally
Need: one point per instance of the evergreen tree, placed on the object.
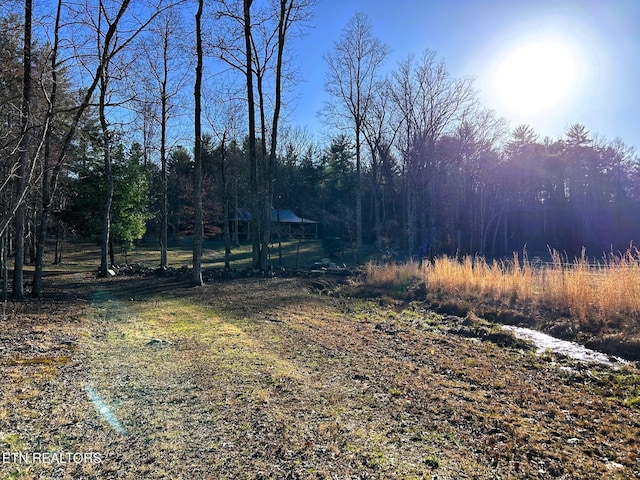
(130, 209)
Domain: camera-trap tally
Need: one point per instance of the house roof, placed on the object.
(277, 215)
(287, 216)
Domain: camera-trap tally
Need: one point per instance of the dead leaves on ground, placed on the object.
(265, 379)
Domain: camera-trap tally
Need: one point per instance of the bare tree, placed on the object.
(428, 103)
(473, 152)
(10, 66)
(109, 44)
(111, 31)
(34, 130)
(380, 135)
(163, 76)
(49, 170)
(253, 153)
(264, 38)
(23, 169)
(196, 275)
(354, 66)
(273, 41)
(50, 165)
(223, 118)
(21, 138)
(233, 44)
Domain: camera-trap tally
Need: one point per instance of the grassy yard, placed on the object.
(79, 255)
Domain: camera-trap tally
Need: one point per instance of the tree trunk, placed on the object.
(32, 232)
(375, 197)
(22, 184)
(164, 224)
(106, 215)
(358, 188)
(49, 175)
(411, 215)
(236, 222)
(18, 265)
(36, 290)
(253, 178)
(196, 276)
(4, 247)
(225, 202)
(163, 156)
(283, 23)
(112, 255)
(57, 256)
(264, 182)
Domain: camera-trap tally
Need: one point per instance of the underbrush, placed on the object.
(595, 297)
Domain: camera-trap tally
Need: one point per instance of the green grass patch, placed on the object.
(86, 256)
(222, 339)
(47, 361)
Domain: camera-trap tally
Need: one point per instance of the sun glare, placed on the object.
(536, 75)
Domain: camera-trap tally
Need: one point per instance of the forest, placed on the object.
(137, 119)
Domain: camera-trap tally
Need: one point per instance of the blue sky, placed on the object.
(475, 37)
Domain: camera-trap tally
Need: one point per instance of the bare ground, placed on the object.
(257, 378)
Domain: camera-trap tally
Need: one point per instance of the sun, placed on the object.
(536, 75)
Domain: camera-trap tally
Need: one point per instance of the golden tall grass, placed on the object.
(591, 292)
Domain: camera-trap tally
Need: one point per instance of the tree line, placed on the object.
(91, 142)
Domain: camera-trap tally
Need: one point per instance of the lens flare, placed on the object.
(104, 410)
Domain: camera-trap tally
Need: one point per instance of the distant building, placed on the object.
(284, 222)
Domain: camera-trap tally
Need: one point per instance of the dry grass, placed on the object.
(392, 273)
(594, 294)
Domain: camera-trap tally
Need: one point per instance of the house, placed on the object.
(283, 221)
